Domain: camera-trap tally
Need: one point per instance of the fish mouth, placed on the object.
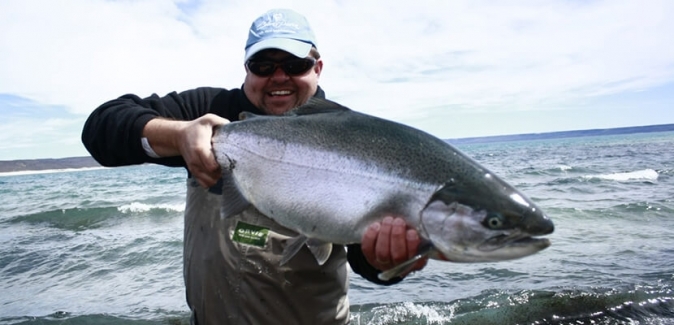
(522, 241)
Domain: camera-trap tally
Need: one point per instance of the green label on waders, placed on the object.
(250, 234)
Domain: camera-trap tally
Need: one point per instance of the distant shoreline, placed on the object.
(15, 167)
(565, 134)
(46, 171)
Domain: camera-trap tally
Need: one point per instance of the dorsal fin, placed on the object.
(316, 106)
(313, 106)
(247, 115)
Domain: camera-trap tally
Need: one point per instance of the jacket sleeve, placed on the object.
(112, 133)
(360, 266)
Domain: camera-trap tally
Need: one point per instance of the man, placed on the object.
(229, 279)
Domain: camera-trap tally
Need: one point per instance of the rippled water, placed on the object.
(105, 245)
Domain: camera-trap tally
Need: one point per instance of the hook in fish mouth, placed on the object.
(513, 241)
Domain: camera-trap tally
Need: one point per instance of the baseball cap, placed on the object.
(282, 29)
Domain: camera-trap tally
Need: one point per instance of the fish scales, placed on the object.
(328, 172)
(390, 146)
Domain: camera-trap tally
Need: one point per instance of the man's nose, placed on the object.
(279, 74)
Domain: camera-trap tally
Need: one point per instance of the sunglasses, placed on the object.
(295, 67)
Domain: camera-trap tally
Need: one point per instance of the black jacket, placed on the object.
(112, 135)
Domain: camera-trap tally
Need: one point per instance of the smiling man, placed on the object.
(232, 267)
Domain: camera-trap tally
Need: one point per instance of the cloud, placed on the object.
(511, 54)
(80, 53)
(411, 62)
(29, 129)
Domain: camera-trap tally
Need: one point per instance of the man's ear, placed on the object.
(318, 67)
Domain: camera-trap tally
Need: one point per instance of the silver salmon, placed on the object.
(328, 172)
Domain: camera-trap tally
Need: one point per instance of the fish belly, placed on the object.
(320, 194)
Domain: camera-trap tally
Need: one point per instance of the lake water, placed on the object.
(104, 246)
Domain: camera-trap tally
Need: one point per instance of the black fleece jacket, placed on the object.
(112, 135)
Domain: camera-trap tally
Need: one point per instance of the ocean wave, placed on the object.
(567, 306)
(639, 175)
(554, 170)
(89, 218)
(641, 208)
(644, 305)
(67, 318)
(564, 168)
(644, 175)
(69, 219)
(137, 207)
(662, 172)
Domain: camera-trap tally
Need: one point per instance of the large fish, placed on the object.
(328, 172)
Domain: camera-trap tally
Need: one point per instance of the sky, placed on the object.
(454, 69)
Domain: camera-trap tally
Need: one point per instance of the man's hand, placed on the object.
(197, 149)
(191, 140)
(390, 243)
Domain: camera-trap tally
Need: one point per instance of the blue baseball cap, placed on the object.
(282, 29)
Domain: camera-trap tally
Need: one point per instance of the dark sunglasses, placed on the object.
(295, 67)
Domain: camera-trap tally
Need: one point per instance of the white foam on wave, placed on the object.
(639, 175)
(565, 168)
(410, 311)
(137, 207)
(431, 315)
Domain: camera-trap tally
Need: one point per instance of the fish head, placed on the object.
(483, 221)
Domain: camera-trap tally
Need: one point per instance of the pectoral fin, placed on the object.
(294, 245)
(320, 249)
(233, 201)
(404, 267)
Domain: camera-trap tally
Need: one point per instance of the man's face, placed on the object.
(279, 92)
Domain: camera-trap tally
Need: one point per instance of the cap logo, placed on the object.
(274, 24)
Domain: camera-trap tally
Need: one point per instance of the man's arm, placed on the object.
(113, 131)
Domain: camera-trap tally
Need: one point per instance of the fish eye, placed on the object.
(494, 221)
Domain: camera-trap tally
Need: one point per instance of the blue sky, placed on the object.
(452, 68)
